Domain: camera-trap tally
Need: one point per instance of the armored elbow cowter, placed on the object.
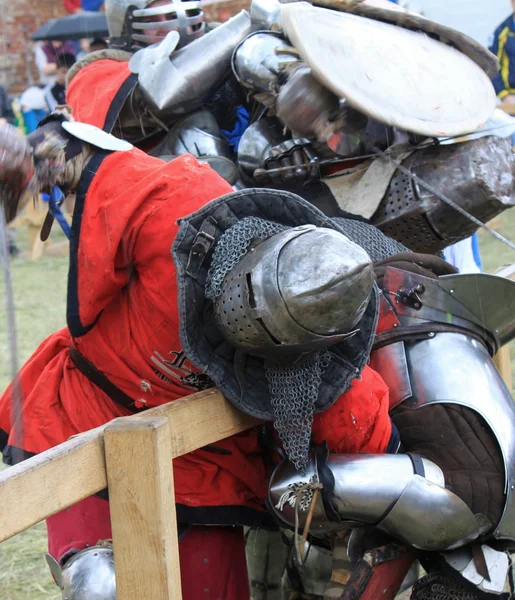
(403, 495)
(88, 575)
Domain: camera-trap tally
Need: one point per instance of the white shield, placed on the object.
(385, 11)
(400, 77)
(95, 136)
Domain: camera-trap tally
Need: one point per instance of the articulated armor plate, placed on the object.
(179, 83)
(306, 106)
(88, 575)
(478, 176)
(434, 342)
(198, 134)
(256, 62)
(256, 142)
(403, 495)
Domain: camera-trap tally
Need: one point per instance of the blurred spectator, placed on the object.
(33, 107)
(56, 93)
(84, 48)
(98, 44)
(503, 46)
(12, 248)
(7, 116)
(46, 58)
(6, 109)
(464, 255)
(74, 6)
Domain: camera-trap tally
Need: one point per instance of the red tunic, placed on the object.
(99, 90)
(122, 312)
(123, 317)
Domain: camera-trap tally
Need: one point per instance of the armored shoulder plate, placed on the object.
(434, 346)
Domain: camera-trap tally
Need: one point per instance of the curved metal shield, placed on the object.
(382, 10)
(404, 78)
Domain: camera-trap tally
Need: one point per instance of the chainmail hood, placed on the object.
(259, 387)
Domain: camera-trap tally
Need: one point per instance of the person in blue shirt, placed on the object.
(503, 46)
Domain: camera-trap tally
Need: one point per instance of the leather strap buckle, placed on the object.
(202, 244)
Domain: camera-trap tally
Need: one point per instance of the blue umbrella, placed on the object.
(80, 25)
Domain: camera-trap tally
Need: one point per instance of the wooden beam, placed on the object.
(507, 271)
(502, 359)
(54, 480)
(142, 505)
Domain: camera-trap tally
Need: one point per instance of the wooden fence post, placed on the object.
(502, 361)
(142, 503)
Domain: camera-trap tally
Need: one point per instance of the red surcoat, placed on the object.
(122, 316)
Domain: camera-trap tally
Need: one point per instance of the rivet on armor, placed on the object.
(146, 386)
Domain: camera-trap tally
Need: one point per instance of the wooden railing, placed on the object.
(133, 457)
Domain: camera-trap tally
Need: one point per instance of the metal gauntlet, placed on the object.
(403, 495)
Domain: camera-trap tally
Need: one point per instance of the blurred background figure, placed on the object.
(98, 44)
(75, 6)
(56, 93)
(503, 46)
(465, 255)
(7, 116)
(33, 107)
(84, 48)
(45, 56)
(6, 109)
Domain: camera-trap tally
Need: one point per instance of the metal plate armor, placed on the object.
(436, 348)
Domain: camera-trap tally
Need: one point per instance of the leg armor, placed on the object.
(198, 134)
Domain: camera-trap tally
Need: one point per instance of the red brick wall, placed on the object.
(221, 11)
(18, 20)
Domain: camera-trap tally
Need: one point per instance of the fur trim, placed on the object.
(107, 54)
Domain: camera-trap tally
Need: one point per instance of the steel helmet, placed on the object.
(299, 291)
(125, 19)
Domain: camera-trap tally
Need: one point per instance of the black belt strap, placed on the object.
(202, 244)
(101, 381)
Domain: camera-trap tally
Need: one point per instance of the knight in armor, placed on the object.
(132, 342)
(417, 447)
(289, 348)
(293, 118)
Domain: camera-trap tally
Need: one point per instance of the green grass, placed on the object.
(40, 294)
(40, 297)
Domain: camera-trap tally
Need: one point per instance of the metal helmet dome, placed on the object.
(300, 290)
